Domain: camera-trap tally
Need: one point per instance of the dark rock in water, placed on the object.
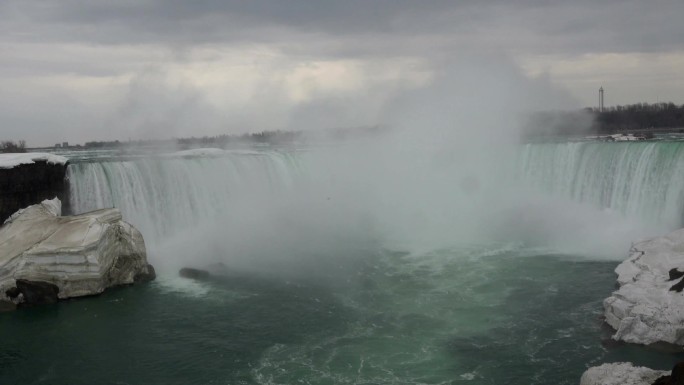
(7, 306)
(678, 374)
(198, 274)
(38, 293)
(676, 378)
(610, 343)
(13, 292)
(147, 276)
(675, 274)
(678, 287)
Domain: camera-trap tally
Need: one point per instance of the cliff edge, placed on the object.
(29, 178)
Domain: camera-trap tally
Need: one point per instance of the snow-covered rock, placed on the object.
(79, 255)
(644, 310)
(14, 160)
(621, 373)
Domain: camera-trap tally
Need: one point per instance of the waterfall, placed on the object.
(638, 179)
(563, 195)
(162, 195)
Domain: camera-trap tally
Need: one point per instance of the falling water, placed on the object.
(642, 179)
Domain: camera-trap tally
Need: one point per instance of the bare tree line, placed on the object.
(640, 116)
(11, 146)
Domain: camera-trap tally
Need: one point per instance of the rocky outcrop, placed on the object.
(647, 308)
(621, 373)
(45, 257)
(29, 178)
(674, 378)
(34, 292)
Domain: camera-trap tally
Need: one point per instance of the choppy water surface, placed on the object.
(474, 316)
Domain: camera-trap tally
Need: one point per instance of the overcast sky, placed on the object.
(101, 70)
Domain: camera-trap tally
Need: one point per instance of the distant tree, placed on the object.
(271, 137)
(640, 116)
(110, 144)
(10, 146)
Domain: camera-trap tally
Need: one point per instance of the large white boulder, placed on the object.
(644, 310)
(621, 373)
(73, 255)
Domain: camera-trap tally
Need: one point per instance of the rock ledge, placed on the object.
(45, 257)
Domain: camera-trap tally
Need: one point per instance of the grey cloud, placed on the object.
(47, 115)
(530, 25)
(153, 109)
(105, 39)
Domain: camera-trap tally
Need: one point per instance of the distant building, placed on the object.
(601, 99)
(65, 144)
(58, 145)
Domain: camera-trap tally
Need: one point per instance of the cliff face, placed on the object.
(27, 184)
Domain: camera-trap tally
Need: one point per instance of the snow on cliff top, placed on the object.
(14, 160)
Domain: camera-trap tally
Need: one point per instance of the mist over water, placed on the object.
(350, 264)
(197, 210)
(449, 170)
(439, 249)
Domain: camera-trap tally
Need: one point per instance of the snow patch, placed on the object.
(14, 160)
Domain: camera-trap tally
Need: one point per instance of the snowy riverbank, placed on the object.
(649, 305)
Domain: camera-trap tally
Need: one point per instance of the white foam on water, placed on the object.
(171, 284)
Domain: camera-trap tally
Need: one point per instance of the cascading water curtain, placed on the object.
(162, 195)
(643, 179)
